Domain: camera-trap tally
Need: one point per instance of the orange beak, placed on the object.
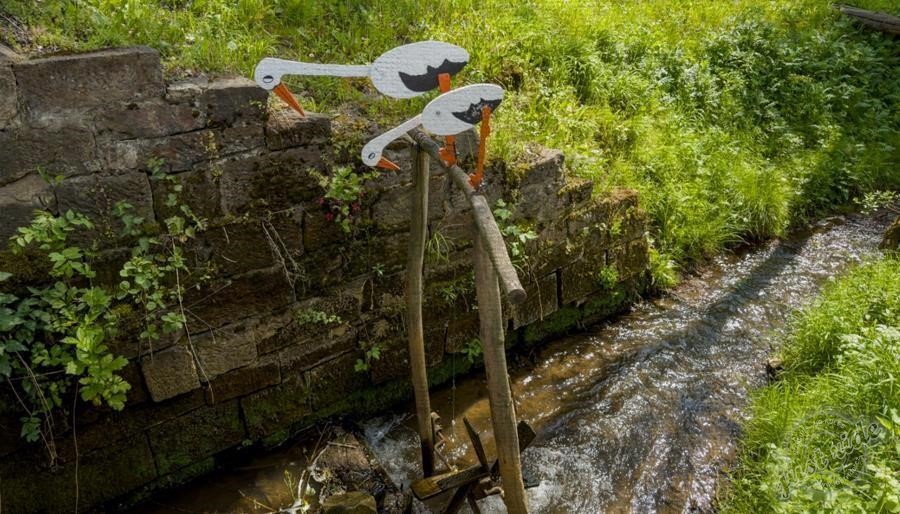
(285, 94)
(388, 165)
(476, 178)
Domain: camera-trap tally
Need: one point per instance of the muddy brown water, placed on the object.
(641, 414)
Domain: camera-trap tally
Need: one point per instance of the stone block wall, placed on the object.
(293, 300)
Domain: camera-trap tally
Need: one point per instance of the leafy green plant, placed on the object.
(473, 350)
(517, 236)
(663, 274)
(343, 196)
(874, 200)
(372, 353)
(456, 289)
(55, 337)
(156, 260)
(316, 317)
(51, 333)
(608, 276)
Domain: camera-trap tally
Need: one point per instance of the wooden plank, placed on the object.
(476, 444)
(877, 20)
(484, 222)
(503, 414)
(414, 264)
(432, 486)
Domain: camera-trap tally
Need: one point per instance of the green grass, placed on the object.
(732, 119)
(826, 436)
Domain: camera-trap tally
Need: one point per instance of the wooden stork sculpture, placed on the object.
(403, 72)
(447, 115)
(406, 72)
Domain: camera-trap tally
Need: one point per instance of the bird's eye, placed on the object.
(372, 155)
(268, 79)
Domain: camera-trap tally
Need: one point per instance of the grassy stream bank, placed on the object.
(825, 437)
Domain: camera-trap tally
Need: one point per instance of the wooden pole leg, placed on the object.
(414, 265)
(503, 415)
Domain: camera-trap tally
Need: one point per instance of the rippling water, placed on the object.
(642, 414)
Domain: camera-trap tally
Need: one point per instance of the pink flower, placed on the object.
(329, 216)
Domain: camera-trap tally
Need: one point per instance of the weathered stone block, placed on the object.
(8, 95)
(58, 85)
(461, 330)
(187, 91)
(199, 191)
(19, 200)
(138, 393)
(229, 347)
(557, 324)
(102, 476)
(236, 298)
(191, 438)
(230, 100)
(393, 208)
(577, 191)
(170, 373)
(68, 152)
(631, 258)
(541, 301)
(177, 153)
(239, 138)
(306, 327)
(275, 181)
(286, 228)
(610, 302)
(147, 119)
(319, 232)
(239, 247)
(334, 380)
(100, 427)
(276, 408)
(539, 187)
(97, 195)
(580, 279)
(243, 381)
(316, 348)
(592, 217)
(286, 128)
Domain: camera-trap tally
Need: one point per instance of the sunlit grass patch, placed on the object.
(826, 436)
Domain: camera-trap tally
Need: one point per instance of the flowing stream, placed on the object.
(641, 414)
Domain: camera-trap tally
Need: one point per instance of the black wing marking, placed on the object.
(429, 81)
(472, 115)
